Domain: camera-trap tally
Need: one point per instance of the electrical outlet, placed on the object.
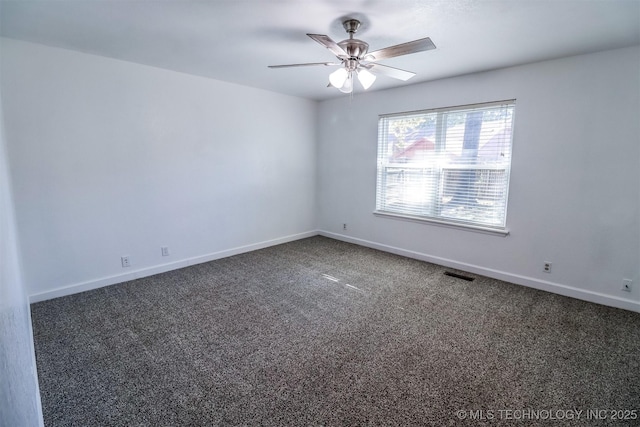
(344, 227)
(165, 250)
(126, 262)
(547, 267)
(626, 285)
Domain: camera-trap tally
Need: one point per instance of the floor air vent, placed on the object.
(459, 276)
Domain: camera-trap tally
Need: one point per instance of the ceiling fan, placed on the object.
(355, 58)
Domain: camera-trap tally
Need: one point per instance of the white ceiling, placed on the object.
(235, 40)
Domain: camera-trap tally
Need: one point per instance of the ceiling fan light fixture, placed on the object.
(339, 77)
(366, 78)
(347, 87)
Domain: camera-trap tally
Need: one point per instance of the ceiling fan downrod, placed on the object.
(356, 49)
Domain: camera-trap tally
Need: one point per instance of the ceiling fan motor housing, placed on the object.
(355, 48)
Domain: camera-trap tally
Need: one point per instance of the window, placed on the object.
(447, 165)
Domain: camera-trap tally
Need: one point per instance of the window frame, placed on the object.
(381, 176)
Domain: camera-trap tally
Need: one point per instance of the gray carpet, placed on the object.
(321, 332)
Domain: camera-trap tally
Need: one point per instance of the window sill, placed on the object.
(459, 226)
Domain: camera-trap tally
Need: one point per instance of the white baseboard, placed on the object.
(556, 288)
(531, 282)
(157, 269)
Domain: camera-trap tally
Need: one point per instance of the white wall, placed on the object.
(575, 183)
(19, 394)
(112, 158)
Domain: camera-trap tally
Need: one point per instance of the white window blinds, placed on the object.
(449, 164)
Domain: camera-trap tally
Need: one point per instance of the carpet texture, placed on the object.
(321, 332)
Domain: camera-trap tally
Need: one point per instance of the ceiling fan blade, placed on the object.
(330, 44)
(308, 64)
(385, 70)
(401, 49)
